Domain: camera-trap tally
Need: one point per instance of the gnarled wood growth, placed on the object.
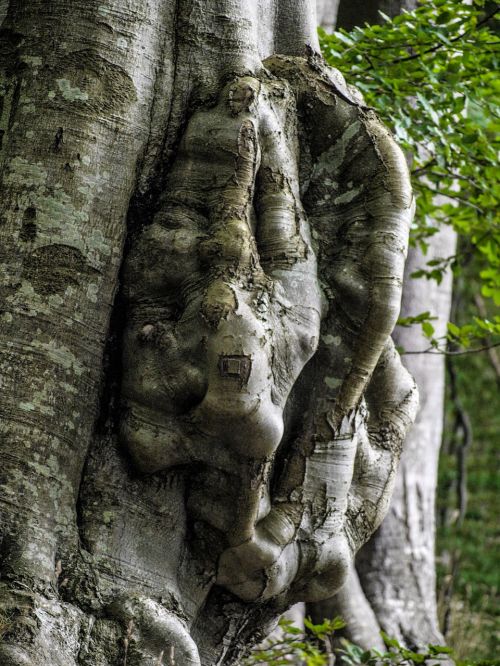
(262, 405)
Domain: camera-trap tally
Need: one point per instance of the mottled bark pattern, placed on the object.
(76, 99)
(252, 420)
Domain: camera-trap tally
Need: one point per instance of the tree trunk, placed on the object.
(243, 442)
(352, 13)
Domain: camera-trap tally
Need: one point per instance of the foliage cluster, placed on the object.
(432, 75)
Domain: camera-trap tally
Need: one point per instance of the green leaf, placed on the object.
(440, 649)
(428, 329)
(389, 642)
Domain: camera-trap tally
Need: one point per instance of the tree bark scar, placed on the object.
(92, 83)
(235, 368)
(51, 268)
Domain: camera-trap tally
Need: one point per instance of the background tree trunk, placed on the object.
(327, 11)
(359, 12)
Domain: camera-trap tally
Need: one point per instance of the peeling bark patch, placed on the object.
(235, 367)
(219, 302)
(94, 83)
(241, 97)
(332, 382)
(71, 94)
(51, 268)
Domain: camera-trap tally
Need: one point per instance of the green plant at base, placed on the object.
(292, 647)
(315, 649)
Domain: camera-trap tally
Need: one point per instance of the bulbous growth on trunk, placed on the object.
(260, 304)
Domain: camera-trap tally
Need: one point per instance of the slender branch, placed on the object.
(416, 172)
(464, 441)
(451, 195)
(456, 176)
(448, 352)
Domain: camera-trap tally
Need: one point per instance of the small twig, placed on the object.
(455, 197)
(171, 656)
(448, 352)
(425, 166)
(458, 176)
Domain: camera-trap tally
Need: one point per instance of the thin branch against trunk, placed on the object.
(451, 352)
(462, 439)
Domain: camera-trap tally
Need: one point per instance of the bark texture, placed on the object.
(247, 435)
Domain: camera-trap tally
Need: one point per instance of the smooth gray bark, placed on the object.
(173, 510)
